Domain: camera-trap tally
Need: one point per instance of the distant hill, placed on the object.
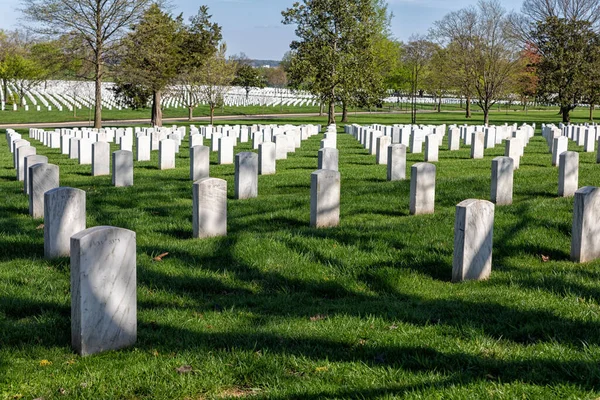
(262, 63)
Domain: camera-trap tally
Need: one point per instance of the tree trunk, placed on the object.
(566, 114)
(98, 85)
(439, 107)
(592, 107)
(190, 113)
(486, 116)
(468, 107)
(212, 113)
(344, 112)
(331, 113)
(156, 110)
(321, 109)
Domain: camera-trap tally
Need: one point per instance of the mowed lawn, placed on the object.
(278, 310)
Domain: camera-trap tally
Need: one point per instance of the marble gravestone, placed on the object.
(64, 216)
(225, 155)
(266, 158)
(42, 177)
(209, 214)
(122, 168)
(199, 162)
(166, 154)
(396, 167)
(454, 139)
(502, 181)
(513, 150)
(100, 159)
(560, 146)
(585, 236)
(74, 148)
(568, 173)
(328, 158)
(422, 188)
(21, 153)
(473, 240)
(477, 145)
(325, 198)
(143, 148)
(280, 147)
(28, 162)
(85, 151)
(103, 289)
(246, 175)
(431, 148)
(381, 153)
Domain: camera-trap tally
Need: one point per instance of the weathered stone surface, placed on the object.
(473, 240)
(266, 158)
(396, 167)
(502, 180)
(166, 154)
(21, 153)
(560, 145)
(28, 162)
(64, 216)
(585, 237)
(328, 159)
(122, 168)
(325, 198)
(199, 162)
(100, 159)
(513, 150)
(568, 173)
(431, 148)
(477, 145)
(225, 150)
(85, 151)
(422, 189)
(381, 153)
(103, 289)
(143, 148)
(209, 208)
(42, 177)
(246, 175)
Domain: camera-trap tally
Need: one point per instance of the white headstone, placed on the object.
(585, 240)
(325, 198)
(209, 208)
(246, 175)
(422, 188)
(64, 216)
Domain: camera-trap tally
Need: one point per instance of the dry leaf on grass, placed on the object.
(545, 258)
(160, 256)
(184, 369)
(318, 317)
(40, 226)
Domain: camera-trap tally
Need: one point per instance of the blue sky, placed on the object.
(254, 26)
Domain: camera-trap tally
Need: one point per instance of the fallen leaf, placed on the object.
(45, 363)
(318, 317)
(184, 369)
(17, 396)
(160, 256)
(392, 327)
(321, 369)
(545, 258)
(71, 362)
(155, 353)
(40, 226)
(83, 385)
(62, 391)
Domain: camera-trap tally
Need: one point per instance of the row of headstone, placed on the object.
(558, 138)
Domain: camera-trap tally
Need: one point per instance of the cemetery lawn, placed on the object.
(278, 310)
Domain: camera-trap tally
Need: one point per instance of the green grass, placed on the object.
(277, 310)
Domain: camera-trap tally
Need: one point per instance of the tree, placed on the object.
(200, 41)
(152, 56)
(564, 47)
(246, 75)
(488, 56)
(216, 75)
(418, 54)
(439, 80)
(526, 80)
(98, 24)
(333, 37)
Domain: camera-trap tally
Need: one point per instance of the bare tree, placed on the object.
(417, 55)
(487, 53)
(215, 79)
(99, 24)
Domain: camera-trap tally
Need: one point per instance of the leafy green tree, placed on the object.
(152, 56)
(335, 36)
(248, 77)
(564, 47)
